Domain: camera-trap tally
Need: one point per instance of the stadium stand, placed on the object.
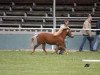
(33, 13)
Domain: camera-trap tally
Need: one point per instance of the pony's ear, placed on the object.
(68, 29)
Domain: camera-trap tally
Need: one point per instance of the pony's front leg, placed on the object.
(56, 50)
(43, 47)
(66, 52)
(62, 50)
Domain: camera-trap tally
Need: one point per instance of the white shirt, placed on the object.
(62, 27)
(86, 25)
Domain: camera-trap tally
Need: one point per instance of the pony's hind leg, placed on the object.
(56, 50)
(35, 48)
(43, 47)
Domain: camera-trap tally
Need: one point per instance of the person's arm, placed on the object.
(64, 27)
(88, 32)
(98, 27)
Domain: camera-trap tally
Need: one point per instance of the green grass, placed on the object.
(22, 63)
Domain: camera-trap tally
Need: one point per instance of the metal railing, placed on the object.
(19, 30)
(46, 17)
(5, 30)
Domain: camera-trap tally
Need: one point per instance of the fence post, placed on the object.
(53, 45)
(41, 28)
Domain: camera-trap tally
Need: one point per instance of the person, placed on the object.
(87, 35)
(96, 44)
(63, 26)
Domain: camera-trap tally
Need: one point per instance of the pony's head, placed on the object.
(68, 32)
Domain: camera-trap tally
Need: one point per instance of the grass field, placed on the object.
(22, 63)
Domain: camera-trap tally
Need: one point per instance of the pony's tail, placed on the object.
(34, 39)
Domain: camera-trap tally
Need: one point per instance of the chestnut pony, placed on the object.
(48, 38)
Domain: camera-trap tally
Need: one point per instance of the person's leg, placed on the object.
(83, 42)
(96, 42)
(90, 43)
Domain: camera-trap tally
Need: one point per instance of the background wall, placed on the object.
(23, 41)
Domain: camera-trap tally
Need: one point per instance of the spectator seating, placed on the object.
(33, 16)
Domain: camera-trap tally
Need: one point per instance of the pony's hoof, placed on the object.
(61, 52)
(67, 53)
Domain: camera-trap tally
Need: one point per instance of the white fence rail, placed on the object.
(5, 30)
(46, 17)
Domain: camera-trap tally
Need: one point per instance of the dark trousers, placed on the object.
(90, 39)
